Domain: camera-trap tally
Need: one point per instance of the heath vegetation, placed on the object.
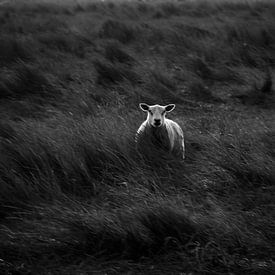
(76, 197)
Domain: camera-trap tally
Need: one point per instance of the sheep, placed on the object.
(157, 134)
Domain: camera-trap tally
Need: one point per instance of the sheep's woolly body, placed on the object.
(167, 138)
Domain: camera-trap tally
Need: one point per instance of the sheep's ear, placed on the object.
(144, 107)
(170, 107)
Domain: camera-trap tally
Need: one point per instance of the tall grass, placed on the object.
(76, 195)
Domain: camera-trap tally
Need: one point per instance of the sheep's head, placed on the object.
(156, 113)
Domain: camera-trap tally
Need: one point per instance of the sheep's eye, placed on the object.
(163, 113)
(150, 112)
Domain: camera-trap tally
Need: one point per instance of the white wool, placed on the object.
(174, 131)
(168, 136)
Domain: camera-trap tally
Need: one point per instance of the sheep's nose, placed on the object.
(157, 121)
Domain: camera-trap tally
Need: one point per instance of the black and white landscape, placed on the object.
(76, 196)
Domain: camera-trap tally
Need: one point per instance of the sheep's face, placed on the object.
(156, 113)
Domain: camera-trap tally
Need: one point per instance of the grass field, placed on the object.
(76, 197)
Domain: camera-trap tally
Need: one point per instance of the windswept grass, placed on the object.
(26, 80)
(110, 73)
(115, 53)
(120, 31)
(12, 49)
(76, 195)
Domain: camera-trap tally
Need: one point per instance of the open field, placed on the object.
(76, 197)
